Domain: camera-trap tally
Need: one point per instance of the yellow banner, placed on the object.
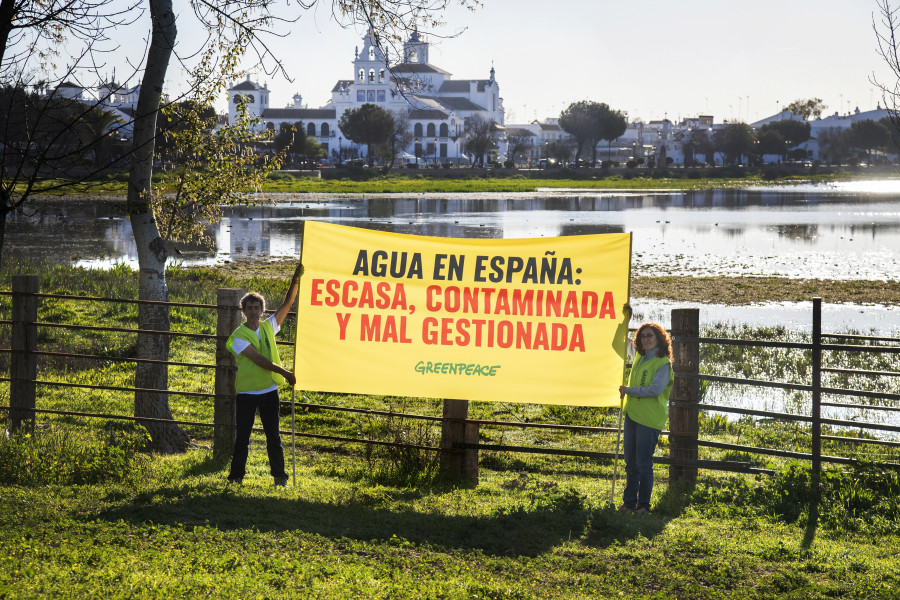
(522, 320)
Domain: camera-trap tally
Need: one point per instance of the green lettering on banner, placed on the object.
(466, 369)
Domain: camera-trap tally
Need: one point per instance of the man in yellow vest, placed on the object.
(258, 377)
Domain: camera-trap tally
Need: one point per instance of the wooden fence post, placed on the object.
(816, 394)
(684, 424)
(457, 463)
(228, 318)
(23, 361)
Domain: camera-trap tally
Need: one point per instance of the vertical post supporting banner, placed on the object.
(460, 464)
(293, 440)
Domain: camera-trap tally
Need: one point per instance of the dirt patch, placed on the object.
(752, 290)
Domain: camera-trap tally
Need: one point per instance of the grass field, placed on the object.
(87, 506)
(374, 181)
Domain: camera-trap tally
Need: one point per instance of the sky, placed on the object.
(652, 59)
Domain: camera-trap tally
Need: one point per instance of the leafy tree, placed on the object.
(832, 144)
(791, 131)
(581, 121)
(370, 125)
(734, 141)
(295, 144)
(559, 151)
(480, 138)
(174, 118)
(698, 142)
(612, 124)
(589, 122)
(770, 142)
(868, 135)
(197, 150)
(806, 108)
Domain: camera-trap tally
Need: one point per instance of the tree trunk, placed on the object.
(151, 249)
(4, 214)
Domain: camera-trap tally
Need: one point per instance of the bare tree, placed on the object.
(480, 138)
(50, 137)
(518, 141)
(887, 33)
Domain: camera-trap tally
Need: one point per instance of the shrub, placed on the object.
(60, 458)
(631, 164)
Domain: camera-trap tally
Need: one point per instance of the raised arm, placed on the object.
(285, 307)
(251, 353)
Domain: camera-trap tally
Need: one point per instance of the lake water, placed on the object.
(841, 231)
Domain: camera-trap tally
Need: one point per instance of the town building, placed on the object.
(436, 106)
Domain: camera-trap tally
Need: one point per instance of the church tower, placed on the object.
(370, 64)
(415, 49)
(254, 96)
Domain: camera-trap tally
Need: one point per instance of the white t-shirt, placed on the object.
(239, 345)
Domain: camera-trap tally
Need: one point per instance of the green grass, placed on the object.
(546, 532)
(371, 181)
(85, 505)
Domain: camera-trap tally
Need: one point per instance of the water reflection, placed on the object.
(806, 231)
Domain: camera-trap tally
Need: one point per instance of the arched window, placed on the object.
(445, 131)
(430, 130)
(413, 56)
(237, 98)
(371, 75)
(270, 126)
(362, 75)
(311, 130)
(251, 99)
(417, 130)
(371, 52)
(381, 76)
(325, 130)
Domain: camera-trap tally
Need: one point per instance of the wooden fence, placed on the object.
(459, 446)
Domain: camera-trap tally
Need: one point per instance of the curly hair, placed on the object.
(251, 297)
(663, 341)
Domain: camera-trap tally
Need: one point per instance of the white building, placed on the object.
(437, 106)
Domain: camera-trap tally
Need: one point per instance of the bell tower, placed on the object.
(415, 49)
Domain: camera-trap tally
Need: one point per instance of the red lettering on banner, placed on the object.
(343, 319)
(608, 309)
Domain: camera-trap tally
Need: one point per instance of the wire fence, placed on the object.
(685, 406)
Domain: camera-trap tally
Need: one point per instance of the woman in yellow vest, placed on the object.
(258, 376)
(646, 411)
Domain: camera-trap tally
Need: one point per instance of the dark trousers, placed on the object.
(247, 405)
(639, 446)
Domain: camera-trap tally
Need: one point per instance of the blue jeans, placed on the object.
(640, 444)
(246, 406)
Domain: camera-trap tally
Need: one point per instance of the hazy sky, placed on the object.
(651, 58)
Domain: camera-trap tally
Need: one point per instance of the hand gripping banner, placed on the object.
(522, 320)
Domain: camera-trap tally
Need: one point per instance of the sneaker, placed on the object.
(626, 507)
(643, 510)
(281, 481)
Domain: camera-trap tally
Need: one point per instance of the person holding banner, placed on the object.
(646, 411)
(258, 376)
